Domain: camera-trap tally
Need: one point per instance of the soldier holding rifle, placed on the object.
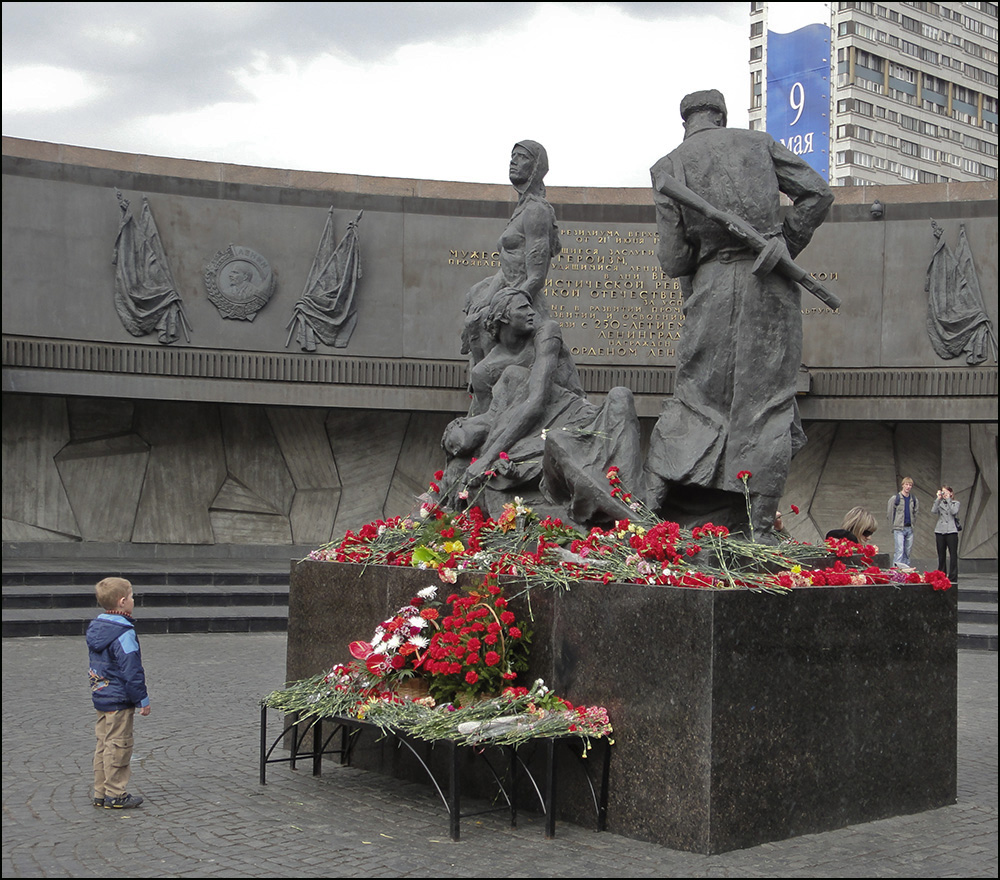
(721, 232)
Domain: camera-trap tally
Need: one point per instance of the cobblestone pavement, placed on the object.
(206, 815)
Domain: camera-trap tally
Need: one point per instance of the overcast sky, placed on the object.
(421, 90)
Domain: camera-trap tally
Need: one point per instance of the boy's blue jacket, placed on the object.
(117, 679)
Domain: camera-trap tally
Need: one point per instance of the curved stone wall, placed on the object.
(238, 437)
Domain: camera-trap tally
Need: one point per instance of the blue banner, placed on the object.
(798, 93)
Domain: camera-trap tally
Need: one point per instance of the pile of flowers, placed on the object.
(467, 652)
(514, 716)
(468, 649)
(470, 644)
(546, 552)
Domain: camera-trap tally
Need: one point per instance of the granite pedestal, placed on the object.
(740, 717)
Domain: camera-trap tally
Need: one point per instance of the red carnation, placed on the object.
(471, 677)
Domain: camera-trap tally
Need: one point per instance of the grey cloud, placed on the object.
(186, 54)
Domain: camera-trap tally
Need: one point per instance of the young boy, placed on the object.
(118, 684)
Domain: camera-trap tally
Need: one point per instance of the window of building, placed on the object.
(869, 61)
(972, 24)
(883, 164)
(756, 29)
(977, 73)
(903, 73)
(756, 53)
(908, 148)
(966, 96)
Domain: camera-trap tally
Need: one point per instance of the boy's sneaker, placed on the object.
(99, 801)
(125, 802)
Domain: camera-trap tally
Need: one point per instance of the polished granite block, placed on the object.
(740, 717)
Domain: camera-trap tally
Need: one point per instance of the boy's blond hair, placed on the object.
(906, 480)
(110, 591)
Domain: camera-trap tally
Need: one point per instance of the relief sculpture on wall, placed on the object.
(146, 297)
(957, 321)
(327, 311)
(239, 282)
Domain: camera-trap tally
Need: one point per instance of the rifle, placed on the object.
(771, 254)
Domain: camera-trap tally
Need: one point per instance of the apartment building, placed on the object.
(912, 91)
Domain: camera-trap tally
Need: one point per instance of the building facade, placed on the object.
(913, 90)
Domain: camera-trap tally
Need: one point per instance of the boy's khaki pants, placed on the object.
(113, 755)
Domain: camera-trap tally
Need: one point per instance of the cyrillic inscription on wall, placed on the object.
(610, 296)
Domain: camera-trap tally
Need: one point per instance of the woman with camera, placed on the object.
(946, 531)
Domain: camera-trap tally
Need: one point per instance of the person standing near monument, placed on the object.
(733, 411)
(902, 513)
(946, 506)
